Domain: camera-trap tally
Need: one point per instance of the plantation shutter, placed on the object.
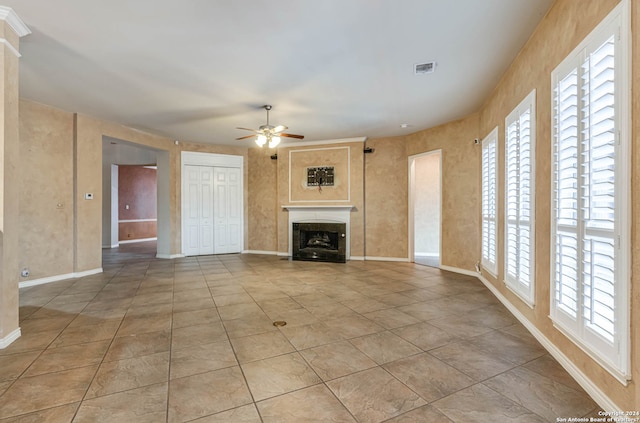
(489, 202)
(598, 183)
(519, 199)
(589, 219)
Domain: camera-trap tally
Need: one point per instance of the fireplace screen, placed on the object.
(319, 242)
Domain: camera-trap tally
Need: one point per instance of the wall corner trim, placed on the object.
(56, 278)
(7, 340)
(10, 47)
(591, 388)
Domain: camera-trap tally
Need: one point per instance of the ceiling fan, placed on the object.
(269, 133)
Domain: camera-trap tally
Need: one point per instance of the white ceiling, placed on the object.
(196, 69)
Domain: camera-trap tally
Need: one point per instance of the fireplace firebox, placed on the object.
(319, 241)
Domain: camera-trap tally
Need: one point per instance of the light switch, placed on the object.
(126, 207)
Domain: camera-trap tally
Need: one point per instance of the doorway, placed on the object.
(425, 205)
(116, 153)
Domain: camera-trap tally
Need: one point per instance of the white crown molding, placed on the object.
(325, 142)
(9, 16)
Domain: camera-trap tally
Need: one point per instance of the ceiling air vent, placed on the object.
(421, 68)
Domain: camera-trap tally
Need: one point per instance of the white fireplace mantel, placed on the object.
(308, 208)
(328, 213)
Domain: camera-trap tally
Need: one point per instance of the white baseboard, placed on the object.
(169, 256)
(591, 388)
(356, 258)
(132, 241)
(7, 340)
(279, 254)
(262, 252)
(459, 270)
(426, 254)
(41, 281)
(397, 259)
(88, 272)
(104, 247)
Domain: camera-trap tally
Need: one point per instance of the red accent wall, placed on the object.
(137, 189)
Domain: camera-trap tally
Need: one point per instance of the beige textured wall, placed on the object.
(386, 192)
(9, 190)
(566, 24)
(52, 137)
(460, 187)
(386, 179)
(88, 178)
(46, 190)
(301, 160)
(262, 201)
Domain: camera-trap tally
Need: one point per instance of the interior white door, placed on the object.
(199, 220)
(228, 210)
(426, 193)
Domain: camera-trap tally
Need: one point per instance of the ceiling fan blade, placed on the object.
(247, 129)
(292, 136)
(278, 128)
(243, 138)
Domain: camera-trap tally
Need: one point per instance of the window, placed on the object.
(490, 202)
(519, 199)
(590, 191)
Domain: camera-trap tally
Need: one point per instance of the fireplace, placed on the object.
(319, 241)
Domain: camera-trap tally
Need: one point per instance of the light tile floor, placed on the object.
(192, 340)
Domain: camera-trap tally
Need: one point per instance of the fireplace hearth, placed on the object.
(319, 241)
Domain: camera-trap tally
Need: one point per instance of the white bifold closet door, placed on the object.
(213, 210)
(227, 202)
(199, 210)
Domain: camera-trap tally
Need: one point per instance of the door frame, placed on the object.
(411, 205)
(193, 158)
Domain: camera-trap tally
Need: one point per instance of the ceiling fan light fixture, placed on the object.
(273, 143)
(269, 133)
(261, 140)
